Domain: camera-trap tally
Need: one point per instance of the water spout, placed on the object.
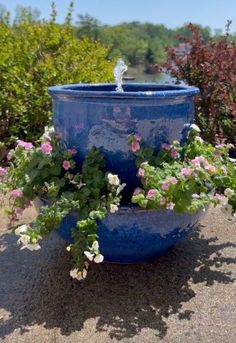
(118, 72)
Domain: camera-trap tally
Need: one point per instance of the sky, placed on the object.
(171, 13)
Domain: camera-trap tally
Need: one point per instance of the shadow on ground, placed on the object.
(36, 288)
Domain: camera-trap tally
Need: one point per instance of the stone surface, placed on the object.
(189, 295)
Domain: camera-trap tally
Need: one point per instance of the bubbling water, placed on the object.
(118, 72)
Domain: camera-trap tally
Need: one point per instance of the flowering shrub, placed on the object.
(178, 178)
(211, 66)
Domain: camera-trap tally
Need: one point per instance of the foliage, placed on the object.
(47, 171)
(139, 43)
(33, 56)
(184, 178)
(211, 66)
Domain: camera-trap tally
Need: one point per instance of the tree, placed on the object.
(88, 26)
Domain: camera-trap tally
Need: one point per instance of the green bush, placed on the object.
(33, 56)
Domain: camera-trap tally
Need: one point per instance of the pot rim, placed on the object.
(131, 90)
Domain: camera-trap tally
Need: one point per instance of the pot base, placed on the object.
(134, 235)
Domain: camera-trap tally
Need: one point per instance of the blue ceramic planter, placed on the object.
(135, 235)
(87, 115)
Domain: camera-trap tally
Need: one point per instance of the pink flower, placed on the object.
(46, 148)
(151, 193)
(165, 186)
(135, 146)
(165, 146)
(170, 206)
(137, 191)
(72, 151)
(2, 171)
(186, 171)
(173, 180)
(196, 162)
(141, 172)
(210, 168)
(16, 193)
(66, 165)
(174, 154)
(24, 145)
(162, 201)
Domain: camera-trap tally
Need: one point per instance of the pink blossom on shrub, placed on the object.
(24, 145)
(135, 146)
(196, 162)
(16, 193)
(66, 165)
(46, 148)
(151, 193)
(137, 191)
(186, 171)
(173, 180)
(2, 171)
(210, 168)
(174, 154)
(165, 185)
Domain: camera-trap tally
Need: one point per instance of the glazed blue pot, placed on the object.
(134, 235)
(87, 115)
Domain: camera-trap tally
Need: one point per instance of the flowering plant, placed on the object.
(184, 178)
(48, 171)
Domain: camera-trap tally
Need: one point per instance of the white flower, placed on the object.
(68, 248)
(31, 246)
(89, 255)
(199, 140)
(120, 188)
(93, 253)
(113, 179)
(195, 127)
(76, 274)
(99, 258)
(24, 239)
(21, 229)
(48, 132)
(95, 246)
(113, 208)
(228, 193)
(227, 209)
(26, 244)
